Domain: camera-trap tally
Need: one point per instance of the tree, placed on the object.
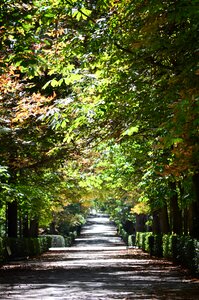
(80, 77)
(148, 83)
(32, 35)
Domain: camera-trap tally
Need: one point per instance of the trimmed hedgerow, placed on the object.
(62, 241)
(13, 248)
(181, 249)
(139, 240)
(121, 232)
(187, 252)
(167, 244)
(147, 242)
(2, 250)
(131, 240)
(157, 246)
(124, 235)
(143, 240)
(68, 241)
(57, 240)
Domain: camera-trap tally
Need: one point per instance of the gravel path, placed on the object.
(97, 267)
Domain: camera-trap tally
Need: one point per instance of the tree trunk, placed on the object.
(34, 228)
(184, 211)
(194, 210)
(176, 214)
(156, 222)
(129, 227)
(140, 223)
(164, 220)
(25, 226)
(185, 221)
(12, 219)
(53, 228)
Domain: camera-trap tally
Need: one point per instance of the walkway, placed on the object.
(97, 267)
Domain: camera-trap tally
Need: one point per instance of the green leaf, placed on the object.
(131, 130)
(46, 85)
(54, 83)
(49, 15)
(84, 13)
(72, 78)
(63, 124)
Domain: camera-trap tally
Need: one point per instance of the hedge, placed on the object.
(122, 232)
(181, 249)
(63, 241)
(56, 240)
(20, 248)
(15, 248)
(131, 240)
(2, 250)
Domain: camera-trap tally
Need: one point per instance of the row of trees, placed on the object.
(99, 101)
(37, 165)
(145, 105)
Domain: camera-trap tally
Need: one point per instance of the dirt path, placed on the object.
(98, 266)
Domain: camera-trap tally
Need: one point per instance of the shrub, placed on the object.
(73, 235)
(124, 235)
(187, 252)
(167, 246)
(45, 243)
(56, 240)
(147, 244)
(196, 260)
(122, 232)
(157, 247)
(68, 241)
(137, 239)
(15, 248)
(62, 241)
(183, 250)
(140, 239)
(151, 244)
(2, 250)
(131, 240)
(171, 246)
(143, 241)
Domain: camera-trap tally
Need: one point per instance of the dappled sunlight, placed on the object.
(98, 266)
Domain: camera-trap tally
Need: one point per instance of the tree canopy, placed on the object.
(99, 102)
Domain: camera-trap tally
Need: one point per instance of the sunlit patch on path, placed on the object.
(98, 266)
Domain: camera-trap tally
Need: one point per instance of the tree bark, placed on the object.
(194, 210)
(12, 219)
(156, 222)
(176, 214)
(164, 220)
(25, 227)
(185, 221)
(53, 228)
(140, 223)
(34, 228)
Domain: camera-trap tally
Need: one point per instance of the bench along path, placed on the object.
(98, 266)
